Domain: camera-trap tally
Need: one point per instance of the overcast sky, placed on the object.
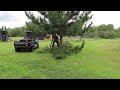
(18, 18)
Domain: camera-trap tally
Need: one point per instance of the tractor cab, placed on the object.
(28, 35)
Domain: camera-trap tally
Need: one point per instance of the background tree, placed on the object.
(103, 31)
(106, 31)
(36, 29)
(62, 22)
(17, 31)
(92, 33)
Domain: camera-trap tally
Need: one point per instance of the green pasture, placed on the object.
(100, 59)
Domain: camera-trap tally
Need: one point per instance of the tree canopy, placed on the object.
(62, 22)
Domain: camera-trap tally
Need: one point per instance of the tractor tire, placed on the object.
(17, 49)
(31, 49)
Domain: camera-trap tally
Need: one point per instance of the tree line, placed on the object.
(19, 31)
(101, 31)
(65, 23)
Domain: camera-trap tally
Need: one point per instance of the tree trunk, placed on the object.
(80, 38)
(61, 41)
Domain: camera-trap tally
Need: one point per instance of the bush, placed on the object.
(67, 49)
(78, 48)
(59, 53)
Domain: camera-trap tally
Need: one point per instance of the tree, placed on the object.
(106, 31)
(62, 22)
(36, 29)
(92, 33)
(17, 31)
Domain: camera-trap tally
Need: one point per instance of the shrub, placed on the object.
(78, 48)
(59, 53)
(67, 49)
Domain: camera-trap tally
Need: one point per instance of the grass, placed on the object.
(100, 59)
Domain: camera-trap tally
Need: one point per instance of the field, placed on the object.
(100, 59)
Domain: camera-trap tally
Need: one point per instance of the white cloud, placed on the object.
(12, 18)
(18, 18)
(106, 17)
(5, 16)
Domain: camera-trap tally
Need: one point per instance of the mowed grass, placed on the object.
(100, 59)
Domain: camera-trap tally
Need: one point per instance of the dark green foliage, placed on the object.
(17, 31)
(36, 29)
(66, 50)
(63, 23)
(103, 31)
(59, 53)
(78, 48)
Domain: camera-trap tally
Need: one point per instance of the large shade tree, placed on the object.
(62, 22)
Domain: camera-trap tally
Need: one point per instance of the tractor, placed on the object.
(4, 34)
(29, 43)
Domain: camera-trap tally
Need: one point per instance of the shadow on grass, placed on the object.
(25, 51)
(42, 51)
